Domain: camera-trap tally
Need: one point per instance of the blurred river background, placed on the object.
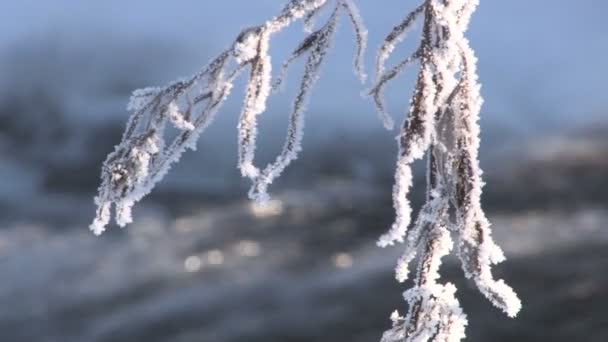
(201, 263)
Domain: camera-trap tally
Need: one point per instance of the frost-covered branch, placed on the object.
(144, 155)
(442, 122)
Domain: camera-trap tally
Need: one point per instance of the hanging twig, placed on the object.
(442, 120)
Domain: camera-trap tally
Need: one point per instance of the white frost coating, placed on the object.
(377, 91)
(143, 156)
(178, 119)
(317, 48)
(477, 249)
(141, 97)
(125, 175)
(102, 218)
(434, 312)
(254, 45)
(397, 35)
(397, 332)
(256, 95)
(429, 108)
(430, 213)
(412, 147)
(310, 18)
(360, 37)
(441, 123)
(246, 49)
(403, 183)
(441, 318)
(443, 120)
(123, 212)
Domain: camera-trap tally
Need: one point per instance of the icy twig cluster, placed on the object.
(442, 122)
(144, 156)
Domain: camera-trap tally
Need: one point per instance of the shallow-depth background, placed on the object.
(200, 263)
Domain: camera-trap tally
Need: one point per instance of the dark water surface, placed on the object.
(303, 269)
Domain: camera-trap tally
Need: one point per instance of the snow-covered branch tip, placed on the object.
(144, 156)
(442, 123)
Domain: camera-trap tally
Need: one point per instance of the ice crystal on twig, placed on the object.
(442, 122)
(144, 156)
